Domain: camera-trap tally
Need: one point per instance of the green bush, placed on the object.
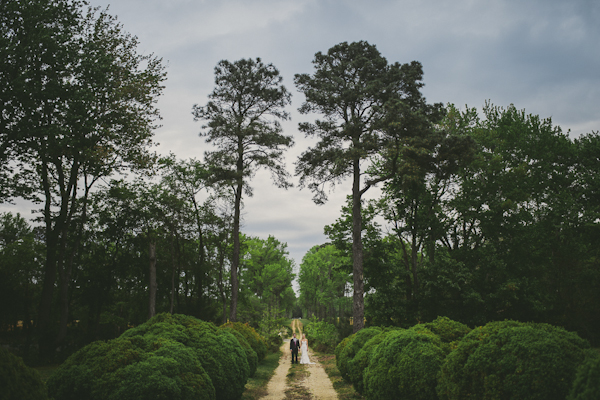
(587, 381)
(356, 367)
(339, 348)
(404, 366)
(220, 353)
(321, 335)
(352, 347)
(258, 343)
(134, 368)
(449, 331)
(18, 381)
(512, 360)
(250, 353)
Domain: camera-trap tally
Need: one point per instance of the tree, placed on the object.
(370, 109)
(267, 270)
(242, 117)
(78, 105)
(323, 281)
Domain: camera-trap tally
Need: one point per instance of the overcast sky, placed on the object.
(540, 55)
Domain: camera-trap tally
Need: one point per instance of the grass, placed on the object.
(256, 387)
(344, 390)
(295, 377)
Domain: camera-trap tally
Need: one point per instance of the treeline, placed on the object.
(490, 217)
(124, 247)
(512, 234)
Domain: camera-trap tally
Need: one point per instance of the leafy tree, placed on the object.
(368, 107)
(242, 117)
(78, 105)
(324, 281)
(267, 272)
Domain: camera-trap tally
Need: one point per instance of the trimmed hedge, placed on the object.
(134, 368)
(449, 331)
(587, 381)
(360, 362)
(18, 381)
(258, 344)
(340, 347)
(352, 347)
(219, 352)
(404, 365)
(250, 353)
(512, 360)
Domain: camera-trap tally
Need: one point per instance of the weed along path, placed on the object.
(299, 382)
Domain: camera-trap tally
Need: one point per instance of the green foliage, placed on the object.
(132, 368)
(322, 335)
(587, 381)
(404, 365)
(510, 360)
(357, 366)
(352, 347)
(18, 381)
(219, 352)
(258, 344)
(322, 279)
(340, 347)
(450, 332)
(250, 353)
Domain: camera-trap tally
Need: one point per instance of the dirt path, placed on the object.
(313, 384)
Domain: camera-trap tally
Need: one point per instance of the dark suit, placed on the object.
(294, 346)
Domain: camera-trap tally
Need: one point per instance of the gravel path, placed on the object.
(277, 384)
(317, 382)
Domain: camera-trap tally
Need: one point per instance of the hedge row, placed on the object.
(168, 357)
(18, 381)
(446, 360)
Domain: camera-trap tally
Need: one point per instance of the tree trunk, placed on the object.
(47, 295)
(152, 283)
(221, 247)
(172, 283)
(235, 261)
(358, 304)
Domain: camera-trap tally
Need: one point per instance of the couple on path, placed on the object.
(295, 344)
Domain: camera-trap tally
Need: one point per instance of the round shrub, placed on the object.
(340, 347)
(133, 368)
(512, 360)
(449, 331)
(254, 339)
(360, 362)
(587, 381)
(250, 353)
(18, 381)
(221, 355)
(404, 366)
(353, 346)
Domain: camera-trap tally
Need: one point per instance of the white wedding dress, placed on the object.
(304, 359)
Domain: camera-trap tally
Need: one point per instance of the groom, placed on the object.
(294, 346)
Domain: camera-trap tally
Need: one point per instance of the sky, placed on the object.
(540, 55)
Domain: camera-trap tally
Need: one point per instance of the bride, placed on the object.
(304, 348)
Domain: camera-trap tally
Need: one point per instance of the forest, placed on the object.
(483, 214)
